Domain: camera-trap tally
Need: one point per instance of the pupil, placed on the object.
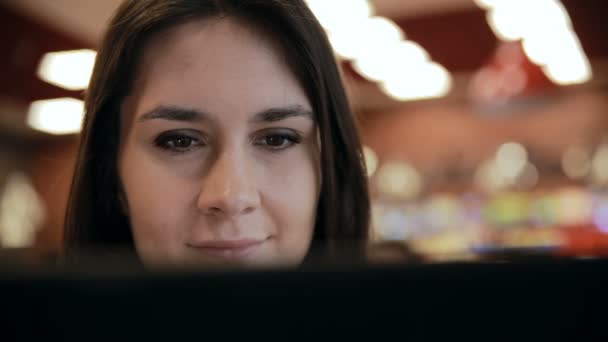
(182, 142)
(274, 141)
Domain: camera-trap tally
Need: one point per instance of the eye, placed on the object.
(181, 142)
(278, 141)
(177, 142)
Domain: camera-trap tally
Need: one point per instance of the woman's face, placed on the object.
(219, 159)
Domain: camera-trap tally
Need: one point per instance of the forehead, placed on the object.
(207, 39)
(215, 63)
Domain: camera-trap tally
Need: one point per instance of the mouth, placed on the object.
(228, 249)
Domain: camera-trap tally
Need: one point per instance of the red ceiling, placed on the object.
(461, 41)
(24, 42)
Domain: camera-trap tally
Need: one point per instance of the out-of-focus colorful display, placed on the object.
(567, 221)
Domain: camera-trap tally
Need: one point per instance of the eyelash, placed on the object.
(167, 141)
(290, 139)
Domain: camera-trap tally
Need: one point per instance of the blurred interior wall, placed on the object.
(429, 135)
(51, 171)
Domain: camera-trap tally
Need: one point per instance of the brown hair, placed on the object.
(94, 218)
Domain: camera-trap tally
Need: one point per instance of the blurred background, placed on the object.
(485, 122)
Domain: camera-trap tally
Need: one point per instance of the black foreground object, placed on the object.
(540, 300)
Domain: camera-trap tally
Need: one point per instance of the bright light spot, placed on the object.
(552, 44)
(399, 179)
(501, 21)
(510, 167)
(575, 206)
(384, 31)
(511, 159)
(376, 34)
(336, 14)
(22, 212)
(377, 48)
(576, 162)
(561, 55)
(371, 160)
(345, 43)
(489, 4)
(528, 178)
(489, 178)
(561, 45)
(378, 65)
(515, 20)
(56, 116)
(573, 71)
(67, 69)
(599, 165)
(553, 13)
(424, 81)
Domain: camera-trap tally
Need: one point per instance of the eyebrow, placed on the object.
(175, 113)
(282, 113)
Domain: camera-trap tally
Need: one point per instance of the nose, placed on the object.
(228, 190)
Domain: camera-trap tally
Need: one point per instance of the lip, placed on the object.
(228, 249)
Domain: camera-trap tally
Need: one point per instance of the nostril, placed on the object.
(248, 210)
(214, 210)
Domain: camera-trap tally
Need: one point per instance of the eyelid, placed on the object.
(166, 136)
(293, 138)
(190, 133)
(292, 133)
(278, 131)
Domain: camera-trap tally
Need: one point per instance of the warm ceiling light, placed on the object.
(423, 81)
(504, 25)
(560, 54)
(574, 69)
(515, 20)
(379, 66)
(67, 69)
(347, 44)
(543, 49)
(340, 14)
(383, 32)
(489, 4)
(377, 48)
(553, 45)
(56, 116)
(377, 34)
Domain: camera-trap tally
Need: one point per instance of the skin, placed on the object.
(219, 156)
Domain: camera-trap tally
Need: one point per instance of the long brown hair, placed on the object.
(94, 218)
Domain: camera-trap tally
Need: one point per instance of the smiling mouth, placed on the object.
(228, 249)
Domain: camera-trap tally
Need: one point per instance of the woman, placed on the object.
(217, 132)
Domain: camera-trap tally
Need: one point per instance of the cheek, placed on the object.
(290, 191)
(157, 201)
